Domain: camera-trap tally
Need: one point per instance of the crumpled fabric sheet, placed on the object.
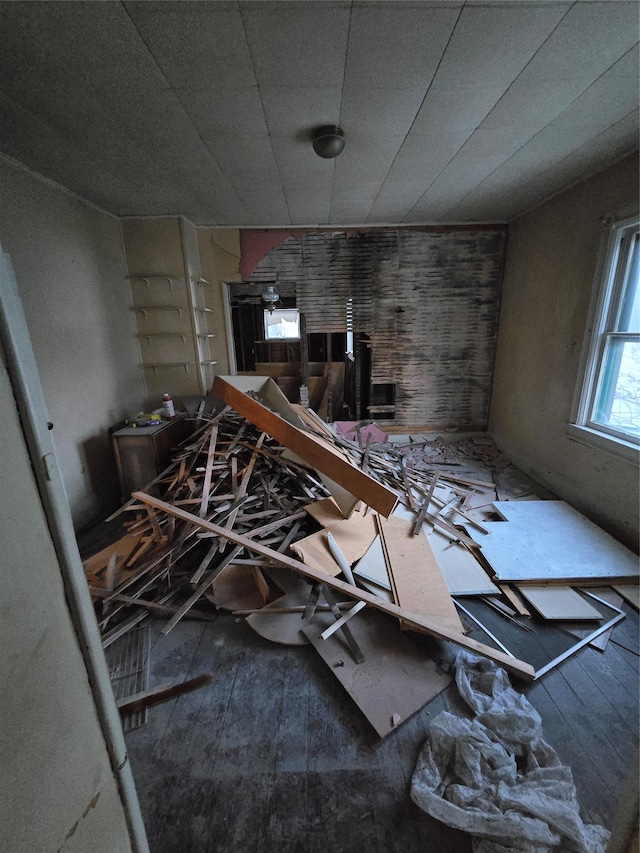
(495, 776)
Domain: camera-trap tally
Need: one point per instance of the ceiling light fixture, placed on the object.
(270, 297)
(328, 141)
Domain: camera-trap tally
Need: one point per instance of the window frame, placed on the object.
(610, 279)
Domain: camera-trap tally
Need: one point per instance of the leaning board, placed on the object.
(551, 541)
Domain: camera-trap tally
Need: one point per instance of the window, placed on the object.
(281, 324)
(609, 406)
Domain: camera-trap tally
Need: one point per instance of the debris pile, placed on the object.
(312, 536)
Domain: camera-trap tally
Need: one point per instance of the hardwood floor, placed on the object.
(273, 755)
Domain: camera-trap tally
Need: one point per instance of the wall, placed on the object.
(57, 790)
(427, 298)
(69, 265)
(219, 250)
(552, 256)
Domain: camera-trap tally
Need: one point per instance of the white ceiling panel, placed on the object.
(398, 45)
(82, 43)
(223, 110)
(194, 43)
(494, 43)
(457, 107)
(238, 157)
(296, 110)
(297, 43)
(366, 109)
(309, 203)
(451, 111)
(496, 193)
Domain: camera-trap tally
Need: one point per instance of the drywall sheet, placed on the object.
(315, 451)
(463, 574)
(372, 566)
(416, 580)
(396, 678)
(549, 540)
(353, 535)
(559, 602)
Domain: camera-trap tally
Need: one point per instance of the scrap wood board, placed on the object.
(353, 535)
(281, 427)
(415, 576)
(283, 628)
(396, 678)
(550, 541)
(559, 602)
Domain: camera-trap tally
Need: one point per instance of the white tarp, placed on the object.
(495, 776)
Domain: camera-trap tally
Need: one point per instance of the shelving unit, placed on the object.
(171, 314)
(202, 336)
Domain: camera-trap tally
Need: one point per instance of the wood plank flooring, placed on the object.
(274, 756)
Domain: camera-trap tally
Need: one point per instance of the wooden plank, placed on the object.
(365, 488)
(328, 632)
(515, 599)
(122, 548)
(204, 503)
(549, 540)
(96, 592)
(157, 695)
(415, 576)
(200, 589)
(396, 678)
(414, 621)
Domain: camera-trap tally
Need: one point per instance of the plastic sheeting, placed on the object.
(495, 776)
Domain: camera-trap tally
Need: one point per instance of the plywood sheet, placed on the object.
(396, 677)
(549, 540)
(416, 579)
(353, 535)
(559, 602)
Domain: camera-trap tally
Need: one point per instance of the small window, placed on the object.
(610, 400)
(282, 324)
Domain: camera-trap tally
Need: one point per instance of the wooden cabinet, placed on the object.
(143, 452)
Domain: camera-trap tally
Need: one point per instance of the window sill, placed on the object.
(592, 438)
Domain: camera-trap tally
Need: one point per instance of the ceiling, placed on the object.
(452, 111)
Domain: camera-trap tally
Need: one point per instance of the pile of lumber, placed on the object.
(265, 512)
